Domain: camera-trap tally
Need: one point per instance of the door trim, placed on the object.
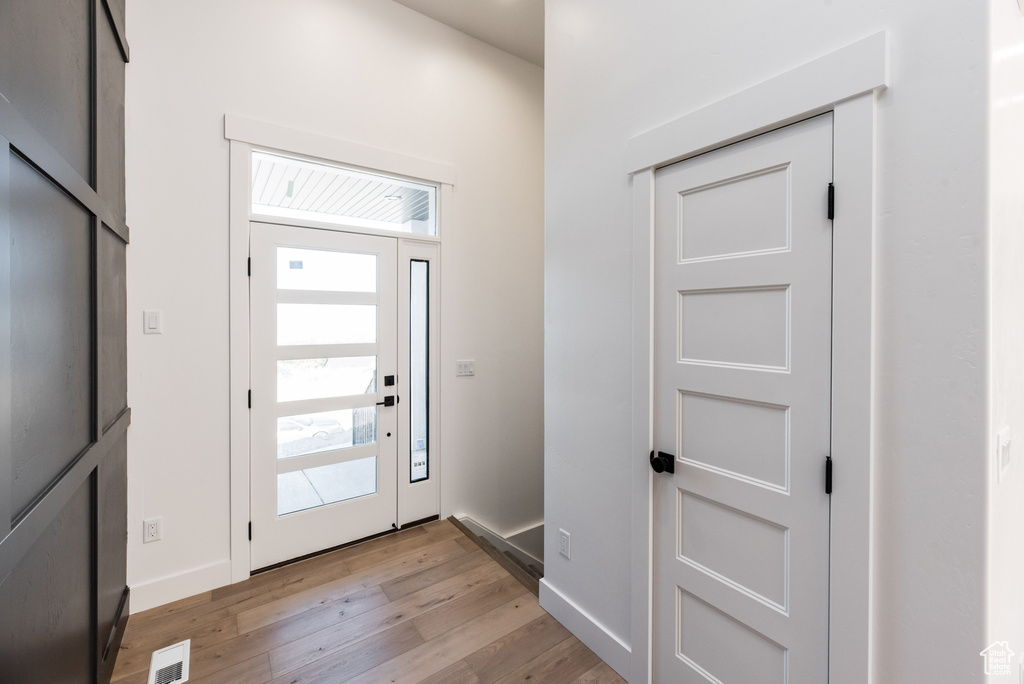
(848, 83)
(242, 135)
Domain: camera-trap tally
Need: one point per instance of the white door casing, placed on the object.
(244, 135)
(847, 82)
(282, 532)
(742, 382)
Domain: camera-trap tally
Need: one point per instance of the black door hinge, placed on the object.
(831, 202)
(248, 267)
(250, 530)
(828, 474)
(250, 398)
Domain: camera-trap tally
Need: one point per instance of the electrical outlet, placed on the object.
(152, 530)
(465, 367)
(563, 543)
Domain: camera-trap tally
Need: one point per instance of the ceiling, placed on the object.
(515, 26)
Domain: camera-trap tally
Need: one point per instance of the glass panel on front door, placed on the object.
(305, 489)
(311, 271)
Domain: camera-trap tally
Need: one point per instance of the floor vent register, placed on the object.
(170, 665)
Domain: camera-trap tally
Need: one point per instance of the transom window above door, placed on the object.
(296, 188)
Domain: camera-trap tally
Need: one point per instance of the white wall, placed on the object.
(368, 71)
(614, 70)
(1005, 591)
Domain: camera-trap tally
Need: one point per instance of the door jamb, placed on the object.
(847, 82)
(242, 135)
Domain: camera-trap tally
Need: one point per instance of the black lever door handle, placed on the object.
(662, 462)
(388, 401)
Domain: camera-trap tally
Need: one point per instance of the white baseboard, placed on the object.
(157, 592)
(502, 544)
(592, 633)
(530, 540)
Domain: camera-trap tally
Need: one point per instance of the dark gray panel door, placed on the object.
(63, 372)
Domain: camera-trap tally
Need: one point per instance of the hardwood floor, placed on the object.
(425, 605)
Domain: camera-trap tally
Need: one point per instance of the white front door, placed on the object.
(323, 366)
(742, 382)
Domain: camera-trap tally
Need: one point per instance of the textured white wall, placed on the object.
(1006, 258)
(375, 73)
(614, 70)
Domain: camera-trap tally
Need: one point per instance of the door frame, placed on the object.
(848, 83)
(244, 134)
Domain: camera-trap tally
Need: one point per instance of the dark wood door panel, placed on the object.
(51, 332)
(110, 119)
(63, 339)
(46, 604)
(111, 534)
(46, 72)
(113, 311)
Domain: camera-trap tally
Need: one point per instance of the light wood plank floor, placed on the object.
(424, 605)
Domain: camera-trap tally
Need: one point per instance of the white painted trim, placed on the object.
(809, 89)
(524, 529)
(643, 426)
(839, 82)
(342, 227)
(853, 293)
(608, 647)
(163, 590)
(240, 182)
(446, 225)
(502, 543)
(267, 135)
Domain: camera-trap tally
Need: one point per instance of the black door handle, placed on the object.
(662, 462)
(388, 401)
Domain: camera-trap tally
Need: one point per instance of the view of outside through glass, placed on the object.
(314, 433)
(419, 352)
(299, 379)
(335, 274)
(314, 269)
(313, 487)
(314, 191)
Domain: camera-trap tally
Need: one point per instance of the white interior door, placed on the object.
(323, 364)
(742, 377)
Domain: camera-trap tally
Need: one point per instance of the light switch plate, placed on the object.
(152, 323)
(465, 367)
